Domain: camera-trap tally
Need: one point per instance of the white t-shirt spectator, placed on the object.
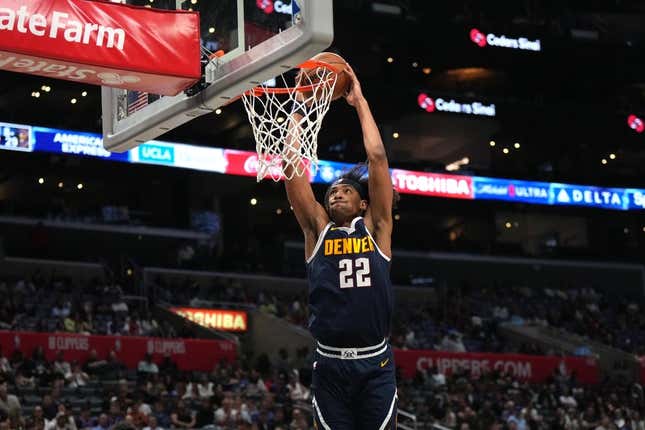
(438, 379)
(61, 311)
(568, 401)
(63, 368)
(452, 343)
(147, 367)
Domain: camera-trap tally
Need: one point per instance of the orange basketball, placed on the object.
(337, 62)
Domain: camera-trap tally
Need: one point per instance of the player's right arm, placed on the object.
(310, 214)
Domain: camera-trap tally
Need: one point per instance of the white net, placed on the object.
(286, 122)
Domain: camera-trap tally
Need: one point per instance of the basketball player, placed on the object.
(347, 252)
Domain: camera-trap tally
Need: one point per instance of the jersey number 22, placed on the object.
(355, 272)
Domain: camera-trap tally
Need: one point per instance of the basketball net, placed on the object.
(282, 141)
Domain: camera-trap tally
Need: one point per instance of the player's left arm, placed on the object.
(378, 217)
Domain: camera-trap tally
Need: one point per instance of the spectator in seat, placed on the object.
(62, 367)
(93, 366)
(298, 420)
(103, 423)
(114, 414)
(205, 387)
(22, 381)
(78, 378)
(139, 412)
(61, 309)
(147, 366)
(37, 418)
(132, 326)
(168, 367)
(297, 391)
(153, 424)
(113, 367)
(452, 343)
(181, 417)
(205, 416)
(9, 403)
(85, 420)
(161, 416)
(41, 367)
(64, 420)
(50, 407)
(5, 366)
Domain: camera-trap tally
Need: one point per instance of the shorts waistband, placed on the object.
(352, 353)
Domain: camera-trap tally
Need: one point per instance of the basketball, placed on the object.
(343, 80)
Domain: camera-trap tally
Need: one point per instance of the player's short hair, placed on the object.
(356, 177)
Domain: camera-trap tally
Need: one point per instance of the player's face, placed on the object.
(345, 202)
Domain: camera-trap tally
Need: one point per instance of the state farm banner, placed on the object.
(189, 354)
(101, 43)
(531, 368)
(218, 319)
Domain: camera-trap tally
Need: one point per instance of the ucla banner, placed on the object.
(26, 138)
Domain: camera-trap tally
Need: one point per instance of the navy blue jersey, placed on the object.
(350, 292)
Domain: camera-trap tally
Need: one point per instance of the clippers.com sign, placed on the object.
(482, 40)
(101, 43)
(430, 105)
(218, 319)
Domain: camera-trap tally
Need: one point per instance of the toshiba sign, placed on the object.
(101, 43)
(218, 319)
(433, 184)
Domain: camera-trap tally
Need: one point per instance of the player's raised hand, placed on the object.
(354, 94)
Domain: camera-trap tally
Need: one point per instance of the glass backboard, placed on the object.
(249, 41)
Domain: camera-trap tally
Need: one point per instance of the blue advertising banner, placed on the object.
(73, 143)
(511, 190)
(17, 137)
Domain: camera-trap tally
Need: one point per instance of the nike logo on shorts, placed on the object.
(384, 362)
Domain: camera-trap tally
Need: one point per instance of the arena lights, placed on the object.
(522, 43)
(492, 143)
(636, 123)
(41, 181)
(475, 108)
(612, 156)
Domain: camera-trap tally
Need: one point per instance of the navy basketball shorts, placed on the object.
(354, 388)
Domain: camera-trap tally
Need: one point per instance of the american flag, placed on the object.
(136, 101)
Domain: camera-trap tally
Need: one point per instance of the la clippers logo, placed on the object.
(478, 37)
(635, 123)
(266, 6)
(425, 102)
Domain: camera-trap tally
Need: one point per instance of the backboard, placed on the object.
(259, 39)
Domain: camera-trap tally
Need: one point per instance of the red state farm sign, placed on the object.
(101, 43)
(218, 319)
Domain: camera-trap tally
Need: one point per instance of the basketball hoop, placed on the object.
(280, 141)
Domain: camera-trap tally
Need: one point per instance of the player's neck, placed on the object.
(345, 222)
